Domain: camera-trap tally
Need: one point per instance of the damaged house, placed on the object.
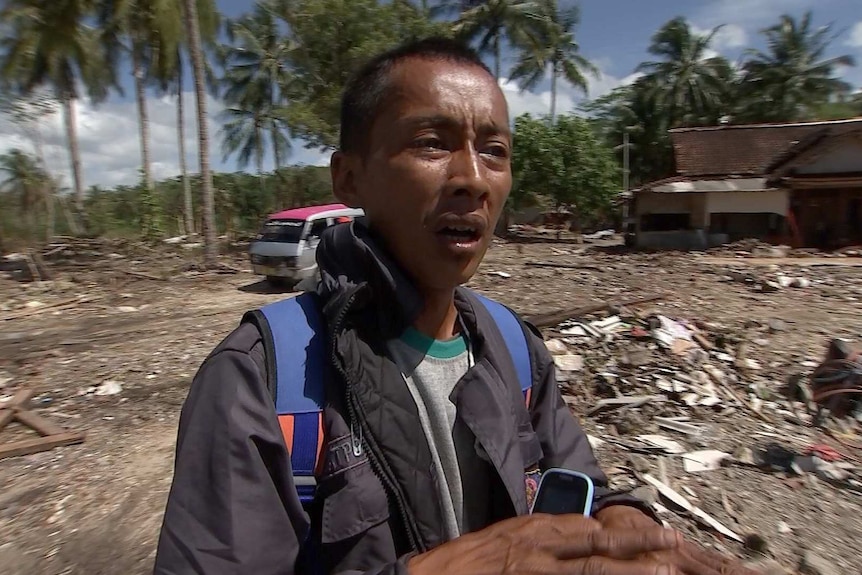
(798, 184)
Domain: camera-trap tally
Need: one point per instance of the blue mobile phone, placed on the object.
(563, 491)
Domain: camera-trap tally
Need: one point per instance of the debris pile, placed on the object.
(650, 385)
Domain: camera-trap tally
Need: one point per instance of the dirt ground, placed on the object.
(96, 507)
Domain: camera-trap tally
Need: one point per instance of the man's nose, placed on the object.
(467, 174)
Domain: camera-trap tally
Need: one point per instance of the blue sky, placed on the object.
(614, 34)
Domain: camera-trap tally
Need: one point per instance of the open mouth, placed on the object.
(460, 233)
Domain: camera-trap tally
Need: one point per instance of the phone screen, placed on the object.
(561, 493)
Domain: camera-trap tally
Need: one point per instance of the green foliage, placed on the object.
(565, 161)
(490, 24)
(548, 46)
(791, 79)
(689, 88)
(332, 39)
(26, 193)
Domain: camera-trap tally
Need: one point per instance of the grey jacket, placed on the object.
(233, 508)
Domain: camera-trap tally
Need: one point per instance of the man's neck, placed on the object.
(438, 318)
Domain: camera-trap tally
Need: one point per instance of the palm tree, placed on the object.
(688, 86)
(255, 83)
(246, 131)
(141, 29)
(50, 45)
(549, 45)
(196, 55)
(791, 77)
(168, 72)
(489, 23)
(29, 185)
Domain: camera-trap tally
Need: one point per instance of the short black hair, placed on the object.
(366, 91)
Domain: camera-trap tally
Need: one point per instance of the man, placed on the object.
(428, 438)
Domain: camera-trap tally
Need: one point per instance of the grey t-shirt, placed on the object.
(431, 369)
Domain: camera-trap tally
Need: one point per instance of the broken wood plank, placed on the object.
(702, 341)
(554, 318)
(30, 446)
(617, 402)
(39, 423)
(685, 504)
(142, 275)
(680, 426)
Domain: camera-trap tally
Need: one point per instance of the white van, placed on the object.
(285, 248)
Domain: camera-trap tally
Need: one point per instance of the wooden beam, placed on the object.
(557, 317)
(20, 400)
(38, 423)
(30, 446)
(6, 416)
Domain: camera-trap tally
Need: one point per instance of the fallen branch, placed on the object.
(56, 306)
(142, 275)
(557, 317)
(564, 266)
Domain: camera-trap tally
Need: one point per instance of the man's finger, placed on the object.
(685, 563)
(608, 566)
(615, 543)
(720, 564)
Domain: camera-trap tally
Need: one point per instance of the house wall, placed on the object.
(714, 218)
(772, 202)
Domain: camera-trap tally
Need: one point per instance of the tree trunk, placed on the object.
(195, 52)
(497, 57)
(150, 205)
(188, 208)
(553, 92)
(75, 156)
(259, 159)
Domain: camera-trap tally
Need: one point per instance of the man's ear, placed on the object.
(342, 169)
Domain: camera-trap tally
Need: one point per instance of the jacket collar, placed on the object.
(352, 259)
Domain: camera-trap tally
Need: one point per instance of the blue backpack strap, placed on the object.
(297, 365)
(516, 342)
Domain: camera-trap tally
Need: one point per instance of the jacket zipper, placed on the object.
(378, 465)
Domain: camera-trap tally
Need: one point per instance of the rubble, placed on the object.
(708, 397)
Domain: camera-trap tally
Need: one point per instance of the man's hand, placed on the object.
(687, 558)
(550, 544)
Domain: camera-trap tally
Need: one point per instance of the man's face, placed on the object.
(437, 171)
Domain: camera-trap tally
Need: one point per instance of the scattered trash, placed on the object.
(569, 362)
(556, 347)
(699, 461)
(503, 275)
(663, 443)
(108, 387)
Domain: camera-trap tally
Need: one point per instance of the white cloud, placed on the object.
(752, 13)
(568, 97)
(110, 144)
(730, 36)
(727, 37)
(855, 37)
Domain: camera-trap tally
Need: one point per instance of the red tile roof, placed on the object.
(741, 150)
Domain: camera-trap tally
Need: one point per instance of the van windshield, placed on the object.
(286, 231)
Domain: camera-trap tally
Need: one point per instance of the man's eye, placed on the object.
(429, 143)
(498, 151)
